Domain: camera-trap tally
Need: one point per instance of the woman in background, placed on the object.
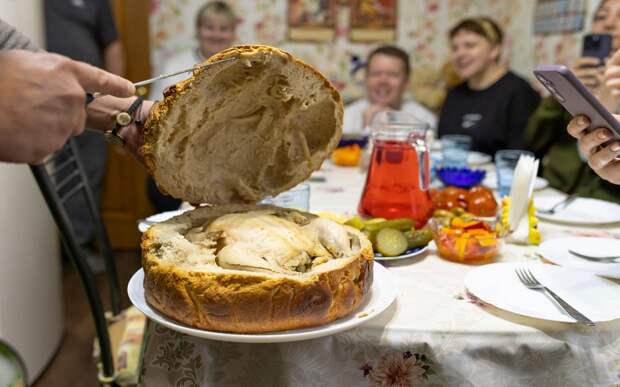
(562, 163)
(493, 104)
(216, 25)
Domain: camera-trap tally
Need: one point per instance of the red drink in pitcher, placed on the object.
(397, 180)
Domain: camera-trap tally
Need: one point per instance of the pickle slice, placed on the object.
(398, 224)
(418, 238)
(390, 242)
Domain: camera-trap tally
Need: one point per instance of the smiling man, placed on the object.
(387, 78)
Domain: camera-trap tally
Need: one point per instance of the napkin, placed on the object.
(519, 218)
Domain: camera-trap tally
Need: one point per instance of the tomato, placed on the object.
(437, 198)
(455, 194)
(482, 203)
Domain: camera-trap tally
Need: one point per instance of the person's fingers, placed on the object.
(590, 142)
(588, 72)
(615, 58)
(79, 123)
(586, 61)
(603, 157)
(94, 79)
(611, 172)
(577, 125)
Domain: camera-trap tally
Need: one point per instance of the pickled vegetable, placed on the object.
(356, 222)
(398, 224)
(391, 242)
(418, 238)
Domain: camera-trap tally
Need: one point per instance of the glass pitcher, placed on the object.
(398, 176)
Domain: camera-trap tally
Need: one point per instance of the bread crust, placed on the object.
(296, 135)
(252, 302)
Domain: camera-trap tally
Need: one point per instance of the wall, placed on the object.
(30, 297)
(422, 31)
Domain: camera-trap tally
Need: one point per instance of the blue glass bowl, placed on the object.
(347, 140)
(461, 177)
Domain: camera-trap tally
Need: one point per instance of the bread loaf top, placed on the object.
(242, 130)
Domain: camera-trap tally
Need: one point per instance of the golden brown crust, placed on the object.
(292, 162)
(254, 302)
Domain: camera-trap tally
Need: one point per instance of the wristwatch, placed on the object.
(122, 119)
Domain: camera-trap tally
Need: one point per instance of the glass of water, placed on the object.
(505, 164)
(297, 198)
(455, 149)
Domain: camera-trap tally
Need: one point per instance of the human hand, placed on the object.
(589, 71)
(44, 104)
(605, 161)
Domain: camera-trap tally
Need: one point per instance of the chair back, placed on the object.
(61, 177)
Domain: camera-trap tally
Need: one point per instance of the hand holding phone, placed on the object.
(597, 46)
(566, 88)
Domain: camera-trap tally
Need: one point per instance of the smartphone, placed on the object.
(597, 46)
(566, 88)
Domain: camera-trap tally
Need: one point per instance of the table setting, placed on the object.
(526, 297)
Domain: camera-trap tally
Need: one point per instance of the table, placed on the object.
(435, 333)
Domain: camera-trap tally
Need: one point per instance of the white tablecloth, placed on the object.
(434, 334)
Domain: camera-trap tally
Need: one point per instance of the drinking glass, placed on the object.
(505, 164)
(455, 149)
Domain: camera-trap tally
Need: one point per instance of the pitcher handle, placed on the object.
(423, 161)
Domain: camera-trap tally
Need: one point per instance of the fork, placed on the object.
(527, 278)
(550, 211)
(608, 259)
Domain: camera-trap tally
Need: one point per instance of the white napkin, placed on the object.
(520, 195)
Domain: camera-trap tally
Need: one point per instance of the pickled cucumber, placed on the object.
(356, 222)
(398, 224)
(390, 242)
(418, 238)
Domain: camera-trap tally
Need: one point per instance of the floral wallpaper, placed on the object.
(422, 31)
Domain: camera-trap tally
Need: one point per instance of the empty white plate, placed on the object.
(497, 284)
(556, 251)
(582, 211)
(157, 218)
(490, 181)
(477, 158)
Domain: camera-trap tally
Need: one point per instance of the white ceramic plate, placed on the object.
(477, 158)
(556, 251)
(490, 181)
(473, 158)
(497, 284)
(410, 253)
(582, 211)
(383, 293)
(161, 217)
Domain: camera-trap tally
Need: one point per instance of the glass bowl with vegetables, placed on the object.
(467, 239)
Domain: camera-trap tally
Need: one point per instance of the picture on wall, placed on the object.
(311, 20)
(373, 21)
(559, 16)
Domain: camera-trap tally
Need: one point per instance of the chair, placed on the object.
(61, 177)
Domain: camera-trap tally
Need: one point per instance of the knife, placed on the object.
(91, 96)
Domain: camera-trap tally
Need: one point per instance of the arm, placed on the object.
(544, 126)
(48, 93)
(113, 59)
(10, 38)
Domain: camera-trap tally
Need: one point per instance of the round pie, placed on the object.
(252, 268)
(242, 130)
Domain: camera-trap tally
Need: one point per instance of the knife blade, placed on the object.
(91, 96)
